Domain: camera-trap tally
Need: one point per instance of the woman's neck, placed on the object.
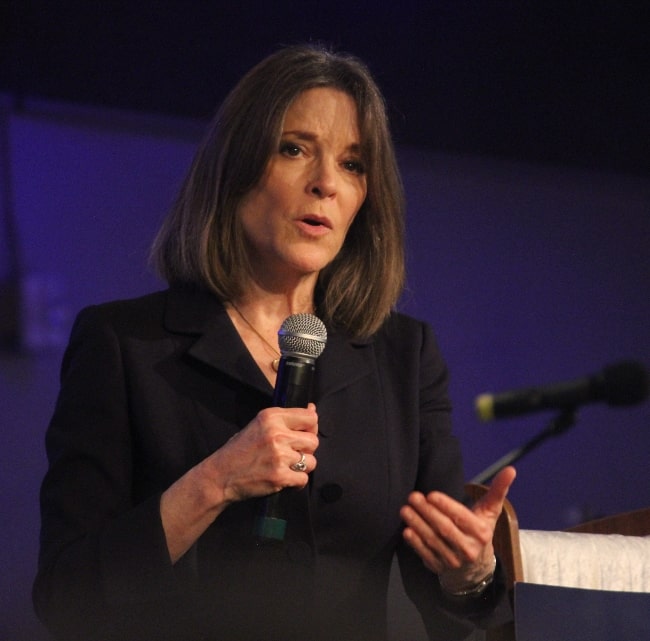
(260, 303)
(257, 317)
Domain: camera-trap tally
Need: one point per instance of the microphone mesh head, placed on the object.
(302, 335)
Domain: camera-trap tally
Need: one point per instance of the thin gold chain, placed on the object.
(276, 361)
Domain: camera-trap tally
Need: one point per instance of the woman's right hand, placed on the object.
(257, 460)
(254, 462)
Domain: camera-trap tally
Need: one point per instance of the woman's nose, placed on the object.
(323, 182)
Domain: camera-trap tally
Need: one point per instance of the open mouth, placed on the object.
(313, 221)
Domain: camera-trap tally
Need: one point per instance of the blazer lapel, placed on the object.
(218, 344)
(342, 362)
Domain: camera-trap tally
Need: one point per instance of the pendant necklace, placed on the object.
(275, 363)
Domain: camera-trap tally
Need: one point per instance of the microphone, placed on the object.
(624, 383)
(302, 339)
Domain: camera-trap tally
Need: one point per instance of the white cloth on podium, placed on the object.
(592, 561)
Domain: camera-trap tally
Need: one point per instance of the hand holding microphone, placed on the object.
(275, 451)
(302, 339)
(269, 454)
(261, 458)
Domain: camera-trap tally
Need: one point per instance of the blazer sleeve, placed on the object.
(440, 468)
(99, 552)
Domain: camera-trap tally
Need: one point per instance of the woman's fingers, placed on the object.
(445, 533)
(258, 459)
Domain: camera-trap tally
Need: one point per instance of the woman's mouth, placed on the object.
(314, 225)
(316, 221)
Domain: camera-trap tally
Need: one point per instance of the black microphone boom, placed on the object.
(624, 383)
(302, 339)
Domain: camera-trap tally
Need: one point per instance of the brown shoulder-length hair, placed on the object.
(201, 242)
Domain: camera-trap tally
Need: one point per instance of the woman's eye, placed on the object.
(289, 149)
(355, 166)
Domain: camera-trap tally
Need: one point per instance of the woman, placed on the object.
(163, 443)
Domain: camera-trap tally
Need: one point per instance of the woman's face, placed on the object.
(296, 218)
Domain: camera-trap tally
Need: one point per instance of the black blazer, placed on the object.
(152, 386)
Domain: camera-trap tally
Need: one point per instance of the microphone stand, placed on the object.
(560, 424)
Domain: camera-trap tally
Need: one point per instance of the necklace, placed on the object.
(275, 363)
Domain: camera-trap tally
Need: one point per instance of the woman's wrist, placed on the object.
(458, 589)
(187, 508)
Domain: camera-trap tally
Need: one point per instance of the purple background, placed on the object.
(529, 275)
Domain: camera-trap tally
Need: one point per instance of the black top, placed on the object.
(152, 386)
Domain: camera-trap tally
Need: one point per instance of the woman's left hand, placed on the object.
(452, 540)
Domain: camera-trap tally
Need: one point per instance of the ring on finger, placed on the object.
(301, 465)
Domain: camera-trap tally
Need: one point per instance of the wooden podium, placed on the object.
(542, 611)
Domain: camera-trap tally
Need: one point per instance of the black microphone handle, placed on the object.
(294, 381)
(292, 389)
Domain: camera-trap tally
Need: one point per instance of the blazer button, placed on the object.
(331, 492)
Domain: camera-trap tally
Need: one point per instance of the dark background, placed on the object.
(523, 138)
(557, 82)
